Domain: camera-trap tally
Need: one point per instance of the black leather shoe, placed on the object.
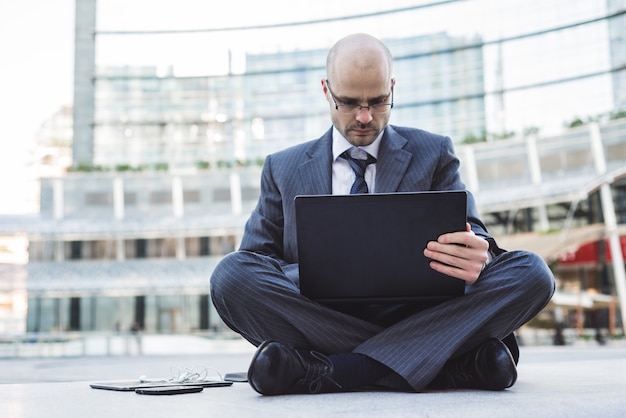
(489, 366)
(277, 369)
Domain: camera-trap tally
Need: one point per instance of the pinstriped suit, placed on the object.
(256, 292)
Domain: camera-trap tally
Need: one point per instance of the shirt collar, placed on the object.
(341, 144)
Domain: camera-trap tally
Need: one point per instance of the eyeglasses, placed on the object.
(376, 108)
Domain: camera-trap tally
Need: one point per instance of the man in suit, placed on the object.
(306, 347)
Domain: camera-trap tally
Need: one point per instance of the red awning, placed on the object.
(591, 253)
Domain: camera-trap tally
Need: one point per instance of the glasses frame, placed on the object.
(351, 108)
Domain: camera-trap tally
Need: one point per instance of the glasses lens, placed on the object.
(383, 108)
(377, 109)
(347, 109)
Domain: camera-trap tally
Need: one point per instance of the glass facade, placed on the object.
(531, 66)
(146, 118)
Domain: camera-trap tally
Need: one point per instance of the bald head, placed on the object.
(359, 52)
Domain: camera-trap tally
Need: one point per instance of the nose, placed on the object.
(364, 115)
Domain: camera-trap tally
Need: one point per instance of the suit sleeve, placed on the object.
(264, 230)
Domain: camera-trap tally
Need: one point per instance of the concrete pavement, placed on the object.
(570, 381)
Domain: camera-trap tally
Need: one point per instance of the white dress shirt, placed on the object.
(343, 176)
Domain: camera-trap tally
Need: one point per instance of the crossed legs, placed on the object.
(259, 298)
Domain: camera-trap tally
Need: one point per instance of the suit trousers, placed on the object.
(258, 297)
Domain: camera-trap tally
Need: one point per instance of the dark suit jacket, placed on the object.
(409, 160)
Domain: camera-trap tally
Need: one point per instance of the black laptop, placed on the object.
(370, 247)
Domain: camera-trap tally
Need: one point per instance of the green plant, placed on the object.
(503, 135)
(474, 139)
(619, 114)
(531, 130)
(87, 168)
(574, 123)
(224, 164)
(123, 167)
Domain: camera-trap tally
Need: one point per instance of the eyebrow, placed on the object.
(350, 100)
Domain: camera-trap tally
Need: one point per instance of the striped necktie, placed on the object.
(358, 166)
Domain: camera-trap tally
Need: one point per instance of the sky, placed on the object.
(36, 51)
(36, 75)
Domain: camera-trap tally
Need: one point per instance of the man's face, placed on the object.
(363, 88)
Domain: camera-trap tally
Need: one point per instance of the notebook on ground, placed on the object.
(369, 247)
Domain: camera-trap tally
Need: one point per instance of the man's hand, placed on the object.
(459, 254)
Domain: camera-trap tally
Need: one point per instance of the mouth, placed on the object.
(362, 131)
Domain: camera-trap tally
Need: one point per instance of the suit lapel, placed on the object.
(315, 171)
(393, 162)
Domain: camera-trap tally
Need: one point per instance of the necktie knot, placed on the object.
(358, 160)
